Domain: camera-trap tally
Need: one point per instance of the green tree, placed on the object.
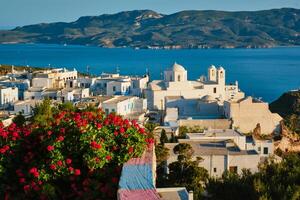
(163, 137)
(150, 127)
(162, 154)
(173, 138)
(275, 180)
(19, 119)
(43, 113)
(187, 173)
(184, 149)
(67, 106)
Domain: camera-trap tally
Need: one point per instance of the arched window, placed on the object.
(221, 74)
(178, 77)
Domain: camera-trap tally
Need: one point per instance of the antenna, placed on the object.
(88, 69)
(118, 69)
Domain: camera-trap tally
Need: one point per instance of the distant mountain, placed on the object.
(186, 29)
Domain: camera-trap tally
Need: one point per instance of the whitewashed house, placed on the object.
(8, 95)
(26, 107)
(130, 107)
(223, 150)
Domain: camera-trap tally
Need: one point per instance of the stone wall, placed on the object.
(207, 123)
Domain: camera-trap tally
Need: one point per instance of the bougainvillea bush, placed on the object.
(76, 155)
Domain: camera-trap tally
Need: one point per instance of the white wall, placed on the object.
(8, 95)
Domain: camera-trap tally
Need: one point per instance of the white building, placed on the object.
(67, 94)
(120, 87)
(8, 95)
(115, 84)
(26, 107)
(55, 78)
(21, 84)
(75, 94)
(176, 83)
(222, 150)
(248, 112)
(130, 107)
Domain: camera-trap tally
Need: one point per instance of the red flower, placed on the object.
(22, 180)
(114, 180)
(99, 125)
(36, 174)
(122, 130)
(108, 157)
(116, 133)
(53, 167)
(62, 130)
(26, 188)
(59, 163)
(95, 145)
(142, 130)
(77, 172)
(50, 148)
(4, 149)
(33, 170)
(130, 150)
(68, 161)
(71, 169)
(49, 132)
(60, 138)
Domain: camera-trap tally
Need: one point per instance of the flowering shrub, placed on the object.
(77, 155)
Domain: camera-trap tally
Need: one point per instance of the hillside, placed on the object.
(288, 106)
(186, 29)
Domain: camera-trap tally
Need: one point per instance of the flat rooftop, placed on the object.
(217, 147)
(214, 133)
(117, 99)
(173, 193)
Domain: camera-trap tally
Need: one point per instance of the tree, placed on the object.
(150, 127)
(187, 173)
(163, 137)
(43, 113)
(173, 138)
(19, 119)
(273, 181)
(67, 106)
(184, 149)
(162, 154)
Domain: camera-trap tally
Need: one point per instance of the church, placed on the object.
(176, 83)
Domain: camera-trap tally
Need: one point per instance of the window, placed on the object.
(215, 90)
(221, 74)
(106, 111)
(233, 169)
(215, 169)
(113, 110)
(114, 88)
(266, 150)
(259, 149)
(178, 77)
(105, 84)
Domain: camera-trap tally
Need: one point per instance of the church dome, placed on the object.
(212, 67)
(178, 68)
(208, 98)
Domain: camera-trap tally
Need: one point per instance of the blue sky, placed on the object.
(22, 12)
